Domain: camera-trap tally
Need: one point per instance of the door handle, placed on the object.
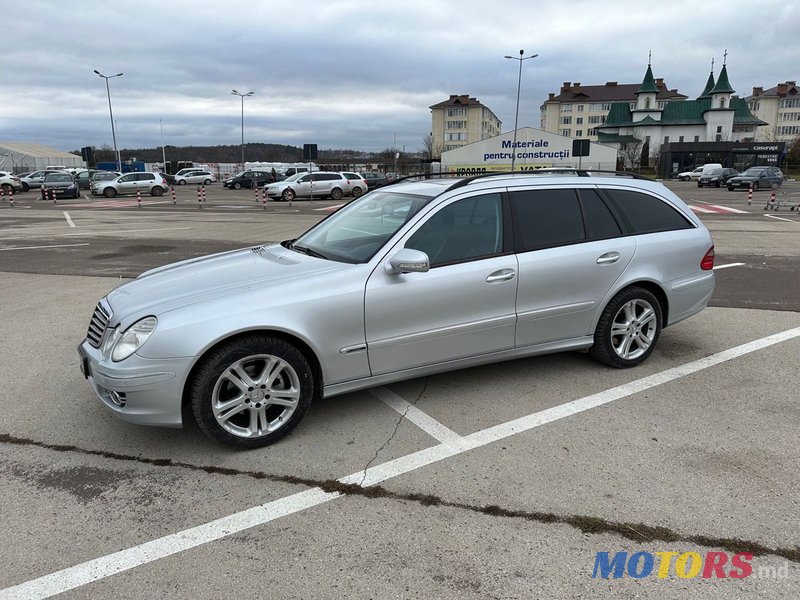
(501, 275)
(609, 258)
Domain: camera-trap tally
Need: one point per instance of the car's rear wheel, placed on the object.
(288, 194)
(181, 182)
(628, 329)
(156, 191)
(357, 191)
(237, 186)
(109, 192)
(207, 182)
(252, 391)
(336, 194)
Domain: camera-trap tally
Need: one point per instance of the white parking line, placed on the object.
(779, 218)
(105, 566)
(728, 266)
(121, 230)
(422, 420)
(332, 207)
(42, 247)
(729, 209)
(69, 219)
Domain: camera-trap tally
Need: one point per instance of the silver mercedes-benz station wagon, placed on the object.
(414, 278)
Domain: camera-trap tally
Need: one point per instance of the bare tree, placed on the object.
(631, 153)
(430, 149)
(655, 157)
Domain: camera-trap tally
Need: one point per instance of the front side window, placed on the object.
(464, 230)
(127, 178)
(642, 213)
(544, 218)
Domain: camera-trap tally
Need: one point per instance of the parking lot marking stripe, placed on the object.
(728, 266)
(335, 206)
(428, 424)
(729, 209)
(700, 209)
(123, 560)
(119, 230)
(69, 219)
(779, 218)
(41, 247)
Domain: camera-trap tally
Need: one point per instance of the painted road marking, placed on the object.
(728, 209)
(779, 218)
(123, 560)
(728, 266)
(428, 424)
(119, 230)
(334, 207)
(118, 203)
(716, 209)
(42, 247)
(69, 219)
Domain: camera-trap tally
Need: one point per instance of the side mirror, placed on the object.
(407, 260)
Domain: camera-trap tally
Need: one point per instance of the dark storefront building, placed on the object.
(677, 157)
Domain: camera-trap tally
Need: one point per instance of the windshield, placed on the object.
(295, 177)
(356, 232)
(714, 172)
(58, 177)
(753, 171)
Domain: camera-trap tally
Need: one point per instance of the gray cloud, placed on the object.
(348, 75)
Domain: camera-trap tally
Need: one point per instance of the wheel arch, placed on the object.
(652, 287)
(305, 349)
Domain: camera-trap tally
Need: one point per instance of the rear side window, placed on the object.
(600, 223)
(545, 218)
(351, 176)
(642, 213)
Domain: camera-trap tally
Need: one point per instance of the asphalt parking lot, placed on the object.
(497, 482)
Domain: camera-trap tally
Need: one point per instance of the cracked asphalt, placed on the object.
(706, 461)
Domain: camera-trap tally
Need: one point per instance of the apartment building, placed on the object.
(779, 107)
(461, 120)
(577, 110)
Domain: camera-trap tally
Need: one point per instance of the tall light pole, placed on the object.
(111, 114)
(242, 96)
(516, 114)
(163, 151)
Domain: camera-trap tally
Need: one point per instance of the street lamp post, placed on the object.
(242, 96)
(111, 115)
(516, 114)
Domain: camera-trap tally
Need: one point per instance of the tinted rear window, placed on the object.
(642, 213)
(547, 218)
(600, 223)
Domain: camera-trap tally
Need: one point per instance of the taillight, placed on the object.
(707, 264)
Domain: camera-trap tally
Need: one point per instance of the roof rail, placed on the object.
(566, 171)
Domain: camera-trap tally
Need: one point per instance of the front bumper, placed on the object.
(739, 184)
(138, 390)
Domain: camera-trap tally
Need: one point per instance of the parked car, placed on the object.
(374, 180)
(319, 184)
(248, 179)
(61, 184)
(761, 178)
(716, 177)
(412, 279)
(358, 185)
(130, 183)
(691, 175)
(9, 182)
(197, 176)
(34, 180)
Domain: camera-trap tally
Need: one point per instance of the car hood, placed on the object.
(744, 178)
(59, 184)
(180, 284)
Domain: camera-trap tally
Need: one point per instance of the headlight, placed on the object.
(133, 338)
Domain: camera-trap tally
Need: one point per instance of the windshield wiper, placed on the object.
(307, 251)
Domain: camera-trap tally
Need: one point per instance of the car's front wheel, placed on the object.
(628, 329)
(207, 182)
(237, 186)
(252, 391)
(288, 194)
(181, 182)
(109, 192)
(25, 187)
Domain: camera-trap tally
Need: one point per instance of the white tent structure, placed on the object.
(25, 156)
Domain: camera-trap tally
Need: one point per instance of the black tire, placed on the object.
(207, 182)
(719, 184)
(25, 187)
(156, 191)
(699, 184)
(603, 349)
(685, 178)
(336, 194)
(288, 195)
(181, 182)
(208, 383)
(109, 192)
(730, 189)
(237, 186)
(357, 191)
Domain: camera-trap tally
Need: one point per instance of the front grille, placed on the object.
(98, 324)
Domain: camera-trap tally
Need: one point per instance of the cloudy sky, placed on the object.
(347, 74)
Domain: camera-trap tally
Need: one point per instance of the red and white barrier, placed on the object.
(204, 193)
(139, 198)
(750, 195)
(172, 187)
(11, 197)
(53, 195)
(199, 198)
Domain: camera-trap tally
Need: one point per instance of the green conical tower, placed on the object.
(648, 83)
(709, 86)
(723, 85)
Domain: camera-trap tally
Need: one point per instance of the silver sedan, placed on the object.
(412, 279)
